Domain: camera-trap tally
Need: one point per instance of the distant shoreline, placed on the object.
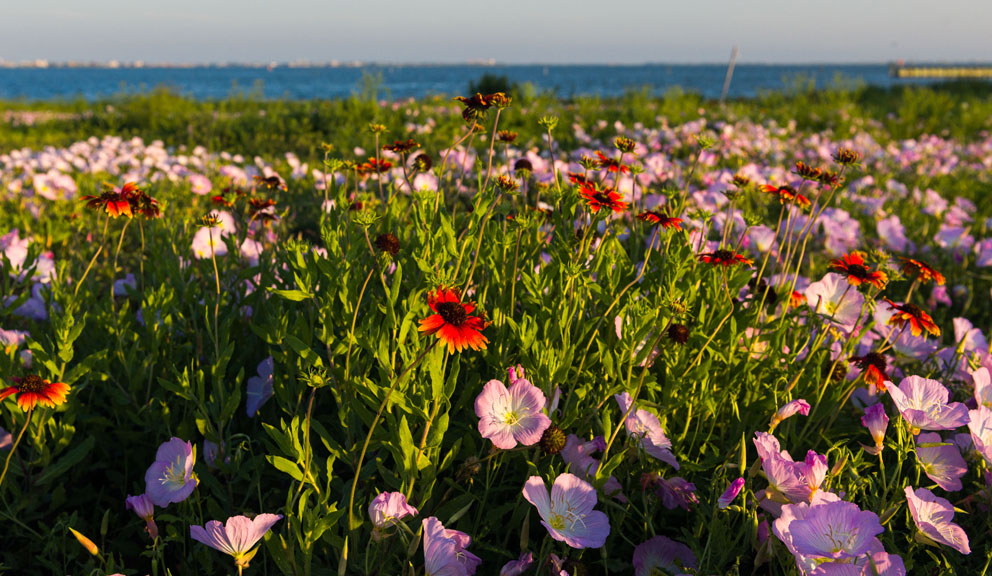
(139, 65)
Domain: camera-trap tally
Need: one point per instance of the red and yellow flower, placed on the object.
(854, 267)
(453, 321)
(787, 194)
(113, 201)
(873, 367)
(918, 320)
(610, 164)
(725, 258)
(661, 218)
(33, 390)
(921, 271)
(597, 198)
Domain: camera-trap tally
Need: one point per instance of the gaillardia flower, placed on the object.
(170, 478)
(921, 271)
(601, 198)
(568, 513)
(872, 367)
(787, 195)
(236, 538)
(453, 321)
(853, 266)
(610, 164)
(508, 416)
(33, 390)
(114, 201)
(919, 321)
(725, 258)
(661, 218)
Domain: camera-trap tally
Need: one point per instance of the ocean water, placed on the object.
(418, 81)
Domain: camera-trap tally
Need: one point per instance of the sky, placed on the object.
(508, 31)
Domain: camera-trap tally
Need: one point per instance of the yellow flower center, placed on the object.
(511, 418)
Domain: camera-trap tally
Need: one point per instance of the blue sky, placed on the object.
(510, 31)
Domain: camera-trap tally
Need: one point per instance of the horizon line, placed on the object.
(303, 63)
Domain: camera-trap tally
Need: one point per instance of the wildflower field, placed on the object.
(500, 334)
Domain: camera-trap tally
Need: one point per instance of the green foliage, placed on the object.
(364, 402)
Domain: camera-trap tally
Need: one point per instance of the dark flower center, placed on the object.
(913, 310)
(602, 198)
(679, 333)
(32, 384)
(875, 359)
(723, 256)
(452, 312)
(858, 271)
(388, 243)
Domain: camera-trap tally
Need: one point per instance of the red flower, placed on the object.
(258, 209)
(873, 366)
(33, 390)
(401, 146)
(597, 198)
(114, 202)
(808, 172)
(453, 321)
(576, 178)
(921, 271)
(853, 266)
(610, 164)
(918, 319)
(797, 299)
(661, 218)
(787, 194)
(725, 258)
(374, 166)
(270, 182)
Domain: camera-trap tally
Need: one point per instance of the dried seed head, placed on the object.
(553, 440)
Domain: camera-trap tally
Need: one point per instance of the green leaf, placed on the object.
(292, 295)
(63, 464)
(284, 465)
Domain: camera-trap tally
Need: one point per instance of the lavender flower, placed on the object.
(730, 493)
(942, 463)
(827, 529)
(518, 566)
(833, 298)
(876, 421)
(237, 537)
(661, 553)
(445, 550)
(387, 509)
(923, 404)
(170, 478)
(514, 415)
(568, 513)
(980, 426)
(578, 455)
(933, 517)
(260, 387)
(143, 507)
(646, 427)
(799, 406)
